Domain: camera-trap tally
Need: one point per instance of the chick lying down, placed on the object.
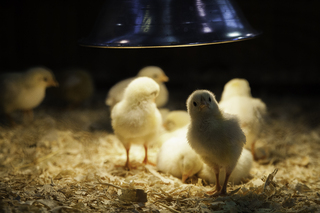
(177, 158)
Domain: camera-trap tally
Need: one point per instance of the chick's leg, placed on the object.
(224, 187)
(216, 170)
(128, 166)
(145, 161)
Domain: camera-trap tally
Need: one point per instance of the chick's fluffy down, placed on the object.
(177, 158)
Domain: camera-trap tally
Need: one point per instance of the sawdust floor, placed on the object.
(68, 161)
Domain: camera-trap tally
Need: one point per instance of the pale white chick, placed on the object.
(136, 119)
(177, 158)
(24, 91)
(237, 100)
(216, 136)
(115, 94)
(240, 172)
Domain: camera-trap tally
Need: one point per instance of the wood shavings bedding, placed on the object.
(57, 164)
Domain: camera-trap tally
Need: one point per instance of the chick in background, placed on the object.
(215, 136)
(24, 91)
(236, 99)
(75, 87)
(176, 119)
(175, 125)
(136, 118)
(116, 92)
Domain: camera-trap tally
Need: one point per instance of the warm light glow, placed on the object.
(234, 34)
(124, 42)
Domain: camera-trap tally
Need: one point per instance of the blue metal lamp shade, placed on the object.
(167, 23)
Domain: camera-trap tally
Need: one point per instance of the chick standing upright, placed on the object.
(136, 119)
(115, 94)
(24, 91)
(214, 135)
(236, 99)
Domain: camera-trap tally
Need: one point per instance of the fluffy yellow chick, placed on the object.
(177, 158)
(176, 119)
(136, 119)
(216, 136)
(24, 91)
(237, 100)
(115, 94)
(76, 86)
(240, 172)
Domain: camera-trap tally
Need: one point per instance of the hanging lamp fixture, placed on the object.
(168, 23)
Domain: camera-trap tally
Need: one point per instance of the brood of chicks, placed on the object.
(207, 140)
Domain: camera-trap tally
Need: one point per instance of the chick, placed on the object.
(136, 119)
(177, 158)
(176, 119)
(237, 100)
(24, 91)
(115, 94)
(240, 172)
(76, 86)
(216, 136)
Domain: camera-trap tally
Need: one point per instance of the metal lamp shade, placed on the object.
(167, 23)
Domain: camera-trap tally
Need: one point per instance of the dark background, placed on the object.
(282, 61)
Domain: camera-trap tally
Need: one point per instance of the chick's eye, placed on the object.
(153, 93)
(45, 79)
(194, 104)
(209, 99)
(155, 76)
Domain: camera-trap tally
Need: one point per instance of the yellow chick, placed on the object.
(216, 136)
(240, 172)
(177, 158)
(136, 119)
(176, 119)
(24, 91)
(76, 86)
(237, 100)
(115, 94)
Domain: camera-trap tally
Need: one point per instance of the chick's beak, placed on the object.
(164, 78)
(185, 177)
(53, 83)
(203, 103)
